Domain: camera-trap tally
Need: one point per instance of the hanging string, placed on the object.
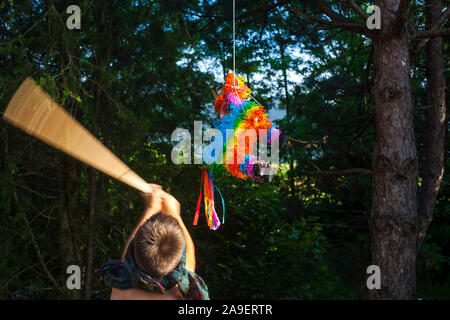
(252, 97)
(234, 50)
(234, 42)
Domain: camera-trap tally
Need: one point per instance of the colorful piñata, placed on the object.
(239, 115)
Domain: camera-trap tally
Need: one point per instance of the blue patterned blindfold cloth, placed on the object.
(126, 275)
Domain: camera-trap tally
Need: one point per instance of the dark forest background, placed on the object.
(135, 72)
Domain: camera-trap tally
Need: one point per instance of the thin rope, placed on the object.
(234, 42)
(234, 50)
(252, 97)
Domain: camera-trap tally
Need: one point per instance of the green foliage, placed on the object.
(139, 69)
(261, 252)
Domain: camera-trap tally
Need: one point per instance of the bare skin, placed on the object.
(158, 201)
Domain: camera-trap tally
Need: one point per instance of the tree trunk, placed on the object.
(433, 169)
(91, 235)
(100, 58)
(393, 219)
(92, 206)
(290, 153)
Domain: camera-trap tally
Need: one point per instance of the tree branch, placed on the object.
(370, 117)
(433, 31)
(342, 226)
(26, 32)
(226, 16)
(34, 243)
(333, 15)
(433, 34)
(311, 142)
(337, 21)
(357, 8)
(262, 10)
(339, 173)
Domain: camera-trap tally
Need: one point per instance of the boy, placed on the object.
(158, 261)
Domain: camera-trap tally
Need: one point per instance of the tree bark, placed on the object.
(433, 168)
(393, 219)
(399, 219)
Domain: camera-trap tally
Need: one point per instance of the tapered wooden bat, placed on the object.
(32, 110)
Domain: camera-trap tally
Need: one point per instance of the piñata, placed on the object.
(238, 114)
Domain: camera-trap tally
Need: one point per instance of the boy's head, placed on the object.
(159, 245)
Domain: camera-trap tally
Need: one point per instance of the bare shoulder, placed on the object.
(139, 294)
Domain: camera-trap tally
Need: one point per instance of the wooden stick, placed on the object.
(32, 110)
